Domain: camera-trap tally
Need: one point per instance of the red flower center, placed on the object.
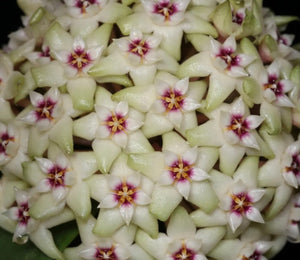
(240, 203)
(165, 8)
(106, 254)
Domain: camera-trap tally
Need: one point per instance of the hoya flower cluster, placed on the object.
(165, 129)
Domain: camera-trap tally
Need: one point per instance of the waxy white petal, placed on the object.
(59, 193)
(249, 140)
(36, 98)
(235, 220)
(182, 85)
(120, 139)
(291, 179)
(254, 121)
(184, 188)
(253, 214)
(199, 175)
(108, 201)
(142, 198)
(256, 194)
(43, 186)
(126, 211)
(45, 164)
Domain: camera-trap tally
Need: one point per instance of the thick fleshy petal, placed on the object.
(199, 174)
(256, 194)
(45, 164)
(184, 188)
(235, 220)
(142, 198)
(126, 211)
(59, 193)
(108, 201)
(253, 214)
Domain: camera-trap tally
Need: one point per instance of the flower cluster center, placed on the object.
(79, 59)
(106, 254)
(23, 213)
(184, 253)
(56, 176)
(227, 55)
(116, 123)
(295, 165)
(238, 125)
(240, 202)
(125, 193)
(83, 4)
(4, 141)
(274, 85)
(44, 109)
(180, 170)
(139, 47)
(166, 9)
(172, 100)
(255, 256)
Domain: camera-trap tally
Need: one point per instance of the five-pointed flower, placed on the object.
(126, 194)
(80, 58)
(82, 8)
(20, 213)
(8, 144)
(238, 125)
(291, 164)
(181, 170)
(116, 123)
(106, 248)
(46, 109)
(275, 87)
(166, 12)
(58, 177)
(140, 49)
(239, 203)
(255, 250)
(174, 100)
(225, 57)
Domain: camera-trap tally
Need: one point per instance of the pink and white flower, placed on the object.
(116, 123)
(255, 250)
(174, 100)
(291, 164)
(46, 109)
(226, 58)
(83, 8)
(140, 49)
(126, 194)
(80, 59)
(8, 143)
(58, 177)
(162, 12)
(106, 248)
(275, 86)
(240, 203)
(238, 125)
(20, 213)
(181, 171)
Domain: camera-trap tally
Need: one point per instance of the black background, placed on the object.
(10, 20)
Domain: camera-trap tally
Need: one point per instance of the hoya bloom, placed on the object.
(83, 8)
(255, 250)
(8, 143)
(180, 242)
(238, 125)
(45, 109)
(139, 48)
(174, 100)
(58, 177)
(116, 123)
(166, 12)
(79, 59)
(125, 194)
(106, 248)
(293, 230)
(239, 202)
(181, 171)
(20, 213)
(291, 164)
(275, 86)
(40, 57)
(226, 58)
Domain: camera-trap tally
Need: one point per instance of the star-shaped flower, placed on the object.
(238, 125)
(239, 202)
(46, 109)
(116, 123)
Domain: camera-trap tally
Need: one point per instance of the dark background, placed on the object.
(10, 21)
